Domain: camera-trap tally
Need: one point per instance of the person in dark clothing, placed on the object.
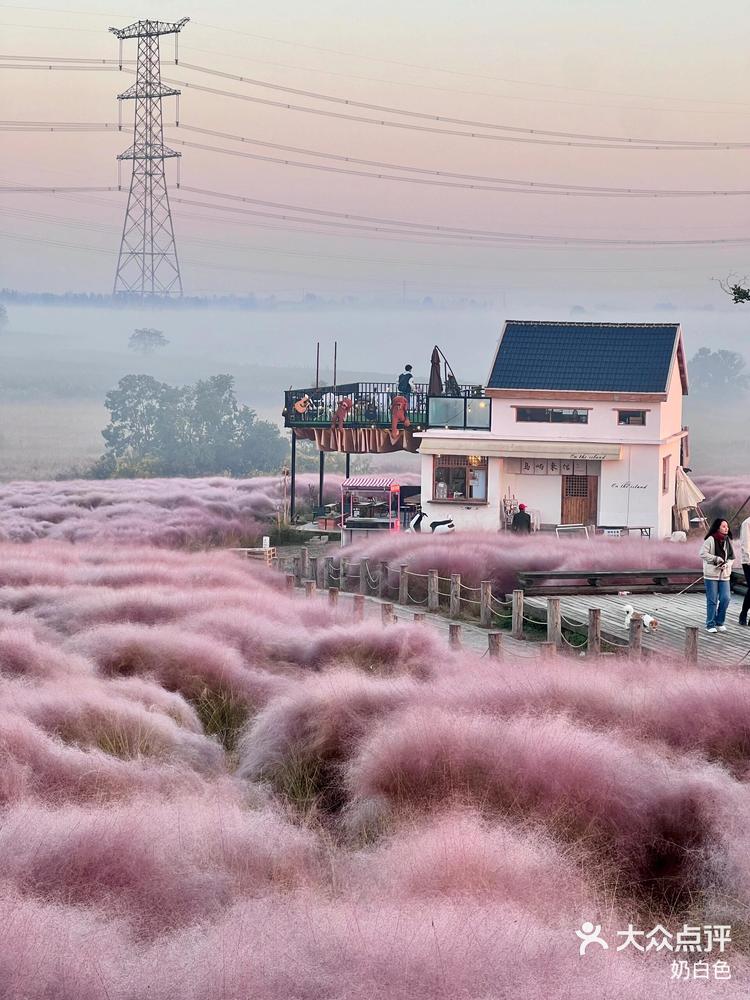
(404, 381)
(521, 523)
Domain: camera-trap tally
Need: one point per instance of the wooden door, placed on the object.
(579, 499)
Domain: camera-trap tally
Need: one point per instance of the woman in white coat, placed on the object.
(717, 555)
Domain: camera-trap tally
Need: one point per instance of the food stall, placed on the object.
(373, 504)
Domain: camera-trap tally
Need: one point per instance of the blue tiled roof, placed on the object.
(584, 357)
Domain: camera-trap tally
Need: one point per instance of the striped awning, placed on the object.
(368, 483)
(489, 447)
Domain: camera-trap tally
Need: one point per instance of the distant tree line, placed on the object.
(156, 429)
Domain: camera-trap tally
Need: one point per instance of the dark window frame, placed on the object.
(552, 415)
(631, 423)
(459, 464)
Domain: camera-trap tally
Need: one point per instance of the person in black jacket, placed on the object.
(404, 382)
(521, 523)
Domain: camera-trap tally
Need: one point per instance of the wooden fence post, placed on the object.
(364, 586)
(327, 571)
(313, 569)
(304, 562)
(494, 645)
(383, 580)
(320, 568)
(419, 617)
(290, 581)
(333, 596)
(433, 590)
(691, 644)
(594, 647)
(403, 584)
(454, 635)
(485, 603)
(358, 607)
(309, 588)
(554, 621)
(343, 574)
(517, 622)
(636, 634)
(455, 604)
(297, 569)
(387, 615)
(549, 649)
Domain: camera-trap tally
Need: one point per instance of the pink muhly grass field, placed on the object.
(174, 513)
(210, 788)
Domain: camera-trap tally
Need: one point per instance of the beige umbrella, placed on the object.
(687, 494)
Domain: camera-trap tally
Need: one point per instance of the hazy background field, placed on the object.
(59, 362)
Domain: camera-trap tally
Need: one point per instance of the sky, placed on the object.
(662, 71)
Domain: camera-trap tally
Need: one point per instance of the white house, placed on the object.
(586, 428)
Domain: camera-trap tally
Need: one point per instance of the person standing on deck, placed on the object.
(521, 523)
(745, 550)
(717, 555)
(404, 381)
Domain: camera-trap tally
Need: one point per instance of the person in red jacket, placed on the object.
(342, 412)
(399, 414)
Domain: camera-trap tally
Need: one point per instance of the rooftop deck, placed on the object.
(467, 408)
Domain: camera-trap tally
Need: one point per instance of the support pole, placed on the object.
(485, 607)
(517, 620)
(433, 590)
(327, 571)
(309, 588)
(455, 601)
(297, 569)
(403, 584)
(364, 586)
(313, 569)
(343, 574)
(293, 478)
(358, 608)
(383, 580)
(320, 573)
(348, 465)
(333, 596)
(454, 635)
(595, 632)
(494, 645)
(554, 621)
(636, 635)
(691, 644)
(321, 476)
(387, 614)
(304, 562)
(549, 650)
(419, 618)
(290, 581)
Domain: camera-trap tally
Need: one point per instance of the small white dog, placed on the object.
(647, 621)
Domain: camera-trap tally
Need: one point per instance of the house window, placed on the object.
(543, 415)
(631, 418)
(460, 477)
(665, 469)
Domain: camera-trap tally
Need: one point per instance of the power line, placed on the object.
(372, 175)
(68, 67)
(427, 228)
(525, 187)
(452, 72)
(425, 116)
(434, 130)
(67, 59)
(52, 190)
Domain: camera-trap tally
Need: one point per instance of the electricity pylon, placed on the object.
(148, 263)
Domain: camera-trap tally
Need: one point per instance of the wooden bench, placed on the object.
(268, 556)
(635, 581)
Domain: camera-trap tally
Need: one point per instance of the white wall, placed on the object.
(630, 490)
(542, 493)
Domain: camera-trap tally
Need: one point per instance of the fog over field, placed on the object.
(59, 362)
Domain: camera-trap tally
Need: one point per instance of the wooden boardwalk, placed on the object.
(674, 612)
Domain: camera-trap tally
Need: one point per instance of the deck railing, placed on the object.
(465, 408)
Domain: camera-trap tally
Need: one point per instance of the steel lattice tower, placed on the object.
(148, 263)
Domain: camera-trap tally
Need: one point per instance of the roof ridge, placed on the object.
(565, 322)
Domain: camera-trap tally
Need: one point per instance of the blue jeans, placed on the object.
(717, 602)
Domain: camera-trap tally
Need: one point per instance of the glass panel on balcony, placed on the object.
(446, 411)
(478, 414)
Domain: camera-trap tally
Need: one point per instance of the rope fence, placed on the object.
(456, 600)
